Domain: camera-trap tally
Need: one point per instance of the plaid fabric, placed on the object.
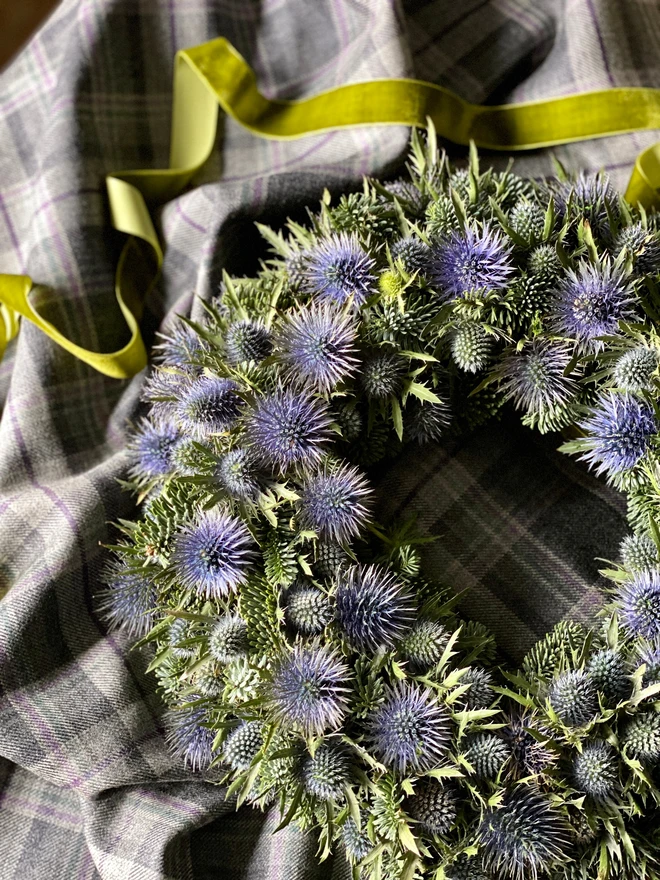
(87, 789)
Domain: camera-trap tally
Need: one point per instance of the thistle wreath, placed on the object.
(298, 648)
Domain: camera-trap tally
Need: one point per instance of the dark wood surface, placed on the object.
(18, 20)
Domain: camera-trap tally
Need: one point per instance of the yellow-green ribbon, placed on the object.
(215, 75)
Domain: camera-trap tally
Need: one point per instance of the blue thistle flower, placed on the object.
(328, 772)
(487, 753)
(524, 836)
(286, 428)
(590, 303)
(237, 473)
(410, 731)
(413, 254)
(529, 756)
(382, 374)
(649, 654)
(317, 345)
(643, 246)
(181, 347)
(609, 672)
(574, 698)
(212, 555)
(162, 391)
(427, 422)
(129, 600)
(152, 447)
(247, 341)
(357, 843)
(481, 693)
(639, 553)
(639, 605)
(209, 405)
(374, 608)
(309, 690)
(641, 738)
(242, 745)
(209, 680)
(595, 770)
(433, 806)
(334, 504)
(308, 609)
(544, 264)
(188, 737)
(329, 558)
(424, 644)
(634, 370)
(228, 639)
(534, 378)
(471, 260)
(619, 433)
(179, 632)
(337, 268)
(471, 347)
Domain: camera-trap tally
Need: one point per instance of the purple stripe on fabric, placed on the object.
(84, 191)
(41, 61)
(40, 809)
(601, 43)
(188, 219)
(12, 233)
(181, 805)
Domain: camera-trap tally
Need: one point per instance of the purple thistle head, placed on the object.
(188, 738)
(333, 504)
(590, 303)
(309, 690)
(181, 347)
(649, 654)
(152, 448)
(639, 605)
(209, 405)
(338, 268)
(288, 428)
(374, 608)
(524, 836)
(247, 341)
(534, 377)
(237, 472)
(317, 345)
(410, 731)
(474, 259)
(130, 597)
(620, 430)
(162, 391)
(213, 554)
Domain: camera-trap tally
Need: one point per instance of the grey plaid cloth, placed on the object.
(87, 789)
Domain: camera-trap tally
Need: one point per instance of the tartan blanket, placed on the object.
(87, 788)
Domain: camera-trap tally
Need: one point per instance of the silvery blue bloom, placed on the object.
(130, 598)
(188, 737)
(534, 378)
(334, 503)
(237, 472)
(247, 341)
(639, 604)
(181, 347)
(152, 448)
(619, 432)
(470, 260)
(338, 268)
(374, 608)
(209, 405)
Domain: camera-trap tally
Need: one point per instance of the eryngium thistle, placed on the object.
(329, 557)
(410, 731)
(287, 428)
(649, 654)
(308, 609)
(524, 836)
(413, 254)
(426, 422)
(471, 347)
(129, 599)
(228, 639)
(152, 447)
(609, 672)
(471, 260)
(620, 430)
(574, 698)
(350, 421)
(487, 753)
(181, 347)
(433, 806)
(179, 632)
(242, 745)
(317, 346)
(480, 693)
(544, 264)
(641, 737)
(209, 680)
(188, 738)
(639, 605)
(337, 269)
(209, 405)
(247, 341)
(358, 846)
(590, 303)
(327, 773)
(374, 608)
(527, 219)
(638, 553)
(534, 378)
(424, 644)
(309, 691)
(595, 770)
(382, 374)
(642, 245)
(634, 370)
(237, 472)
(213, 554)
(529, 756)
(334, 504)
(466, 868)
